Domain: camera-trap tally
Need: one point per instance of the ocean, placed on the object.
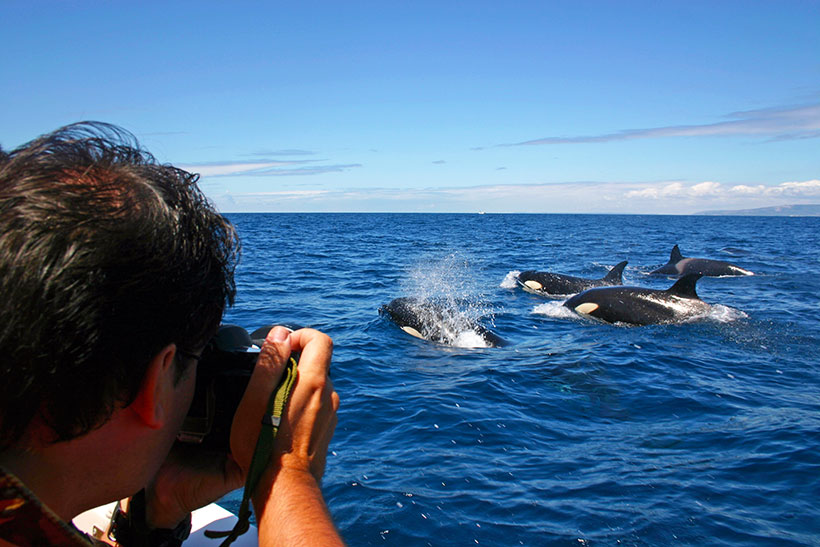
(576, 432)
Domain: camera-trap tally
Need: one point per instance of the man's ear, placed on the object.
(158, 382)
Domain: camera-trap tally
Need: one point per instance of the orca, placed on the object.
(435, 321)
(680, 265)
(554, 284)
(641, 306)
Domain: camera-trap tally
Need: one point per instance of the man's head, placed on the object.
(106, 257)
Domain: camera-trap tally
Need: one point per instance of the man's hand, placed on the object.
(288, 501)
(310, 415)
(189, 479)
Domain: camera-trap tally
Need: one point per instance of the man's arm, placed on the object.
(291, 510)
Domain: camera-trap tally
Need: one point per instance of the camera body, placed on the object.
(223, 373)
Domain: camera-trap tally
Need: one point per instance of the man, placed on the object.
(114, 273)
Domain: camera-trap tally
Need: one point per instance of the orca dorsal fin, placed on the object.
(675, 256)
(615, 275)
(685, 286)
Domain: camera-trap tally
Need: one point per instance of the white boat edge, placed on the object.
(95, 522)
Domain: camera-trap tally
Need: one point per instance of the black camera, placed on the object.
(223, 373)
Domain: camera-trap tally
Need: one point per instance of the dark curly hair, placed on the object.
(106, 257)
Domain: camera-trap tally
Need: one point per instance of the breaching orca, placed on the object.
(434, 321)
(641, 306)
(553, 284)
(679, 265)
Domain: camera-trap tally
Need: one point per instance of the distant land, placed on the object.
(810, 210)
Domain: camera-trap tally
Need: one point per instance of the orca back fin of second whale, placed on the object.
(685, 286)
(675, 256)
(615, 275)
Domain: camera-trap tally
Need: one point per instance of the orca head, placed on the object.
(527, 280)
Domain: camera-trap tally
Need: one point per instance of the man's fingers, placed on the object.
(316, 348)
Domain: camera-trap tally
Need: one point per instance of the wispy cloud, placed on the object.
(268, 168)
(304, 171)
(282, 152)
(799, 122)
(224, 169)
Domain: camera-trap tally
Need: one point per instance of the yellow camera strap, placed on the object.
(262, 453)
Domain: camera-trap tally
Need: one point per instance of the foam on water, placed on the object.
(554, 309)
(469, 339)
(725, 314)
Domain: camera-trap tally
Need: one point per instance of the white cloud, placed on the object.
(744, 190)
(647, 193)
(715, 190)
(665, 190)
(805, 188)
(706, 189)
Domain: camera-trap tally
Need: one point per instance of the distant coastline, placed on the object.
(808, 210)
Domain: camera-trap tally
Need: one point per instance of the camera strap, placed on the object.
(262, 453)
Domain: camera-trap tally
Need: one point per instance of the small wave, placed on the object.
(509, 281)
(734, 251)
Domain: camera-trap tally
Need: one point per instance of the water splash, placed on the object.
(450, 284)
(725, 314)
(509, 281)
(554, 309)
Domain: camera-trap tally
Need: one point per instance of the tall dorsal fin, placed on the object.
(615, 275)
(685, 286)
(675, 257)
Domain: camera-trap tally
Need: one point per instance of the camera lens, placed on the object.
(222, 375)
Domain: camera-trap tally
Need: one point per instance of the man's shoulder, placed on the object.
(24, 520)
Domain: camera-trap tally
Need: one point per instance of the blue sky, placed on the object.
(545, 107)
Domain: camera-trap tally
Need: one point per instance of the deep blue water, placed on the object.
(577, 432)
